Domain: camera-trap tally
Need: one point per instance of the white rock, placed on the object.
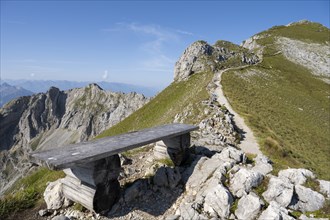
(306, 200)
(325, 187)
(244, 180)
(188, 211)
(279, 190)
(262, 164)
(249, 206)
(296, 176)
(231, 154)
(275, 212)
(218, 201)
(53, 195)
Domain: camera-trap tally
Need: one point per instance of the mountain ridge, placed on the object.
(219, 180)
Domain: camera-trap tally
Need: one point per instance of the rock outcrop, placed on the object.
(201, 57)
(57, 118)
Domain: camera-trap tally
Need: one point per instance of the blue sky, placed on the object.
(134, 42)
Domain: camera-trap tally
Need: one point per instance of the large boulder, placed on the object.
(217, 201)
(244, 180)
(54, 197)
(202, 170)
(279, 190)
(306, 200)
(249, 206)
(296, 176)
(275, 212)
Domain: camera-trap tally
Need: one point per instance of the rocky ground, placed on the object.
(218, 181)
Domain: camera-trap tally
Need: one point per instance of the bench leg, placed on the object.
(94, 185)
(175, 148)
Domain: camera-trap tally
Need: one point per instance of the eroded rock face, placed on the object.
(200, 57)
(55, 119)
(314, 57)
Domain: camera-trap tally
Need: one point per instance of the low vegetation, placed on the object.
(287, 108)
(27, 192)
(176, 98)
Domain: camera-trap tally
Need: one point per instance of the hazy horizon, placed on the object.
(129, 42)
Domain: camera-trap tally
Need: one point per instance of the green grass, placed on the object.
(166, 161)
(163, 108)
(309, 32)
(285, 105)
(27, 192)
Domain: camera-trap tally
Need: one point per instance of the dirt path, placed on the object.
(249, 143)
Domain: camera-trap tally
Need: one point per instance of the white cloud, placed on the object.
(32, 75)
(184, 32)
(105, 75)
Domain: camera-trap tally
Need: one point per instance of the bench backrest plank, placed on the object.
(85, 152)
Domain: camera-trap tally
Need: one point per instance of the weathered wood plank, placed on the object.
(86, 152)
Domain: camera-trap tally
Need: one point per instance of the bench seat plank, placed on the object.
(85, 152)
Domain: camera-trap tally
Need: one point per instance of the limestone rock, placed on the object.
(167, 177)
(232, 154)
(325, 187)
(262, 164)
(200, 56)
(189, 211)
(312, 56)
(280, 191)
(249, 206)
(53, 195)
(244, 180)
(296, 176)
(275, 211)
(217, 201)
(201, 170)
(306, 200)
(187, 64)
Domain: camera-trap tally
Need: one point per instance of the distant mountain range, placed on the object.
(37, 86)
(8, 92)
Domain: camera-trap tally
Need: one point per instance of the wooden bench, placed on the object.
(92, 168)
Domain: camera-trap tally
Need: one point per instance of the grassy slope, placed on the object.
(171, 101)
(286, 106)
(27, 192)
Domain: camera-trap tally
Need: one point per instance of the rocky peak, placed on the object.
(201, 57)
(58, 118)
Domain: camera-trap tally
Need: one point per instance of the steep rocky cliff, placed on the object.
(201, 57)
(56, 118)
